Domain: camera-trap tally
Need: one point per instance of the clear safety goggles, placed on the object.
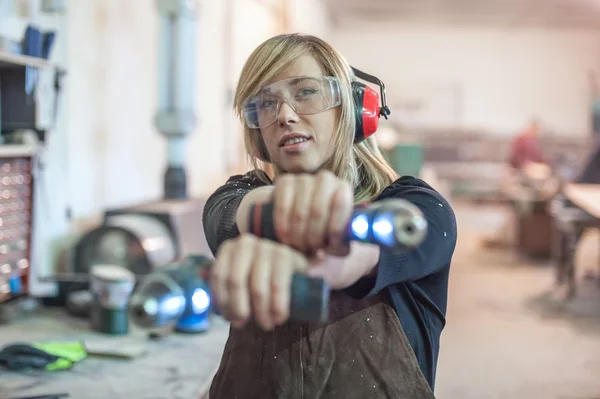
(305, 95)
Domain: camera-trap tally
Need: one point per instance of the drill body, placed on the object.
(176, 295)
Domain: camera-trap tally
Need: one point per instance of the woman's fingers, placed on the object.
(283, 197)
(252, 278)
(316, 231)
(281, 282)
(219, 274)
(300, 212)
(240, 263)
(260, 286)
(312, 211)
(341, 207)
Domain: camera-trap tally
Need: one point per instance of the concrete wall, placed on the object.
(494, 79)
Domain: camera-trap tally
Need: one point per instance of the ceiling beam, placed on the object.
(510, 13)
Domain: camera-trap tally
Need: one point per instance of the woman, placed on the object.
(387, 309)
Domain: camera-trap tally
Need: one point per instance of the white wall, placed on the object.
(481, 78)
(117, 151)
(249, 24)
(310, 16)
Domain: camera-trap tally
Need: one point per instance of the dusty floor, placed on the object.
(504, 339)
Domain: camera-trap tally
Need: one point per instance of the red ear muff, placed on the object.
(366, 106)
(366, 111)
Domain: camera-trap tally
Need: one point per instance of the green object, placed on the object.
(407, 159)
(49, 356)
(67, 353)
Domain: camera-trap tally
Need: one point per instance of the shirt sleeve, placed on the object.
(431, 256)
(219, 215)
(536, 152)
(516, 155)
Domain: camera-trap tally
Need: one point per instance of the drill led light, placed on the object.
(150, 306)
(173, 304)
(383, 230)
(360, 226)
(200, 301)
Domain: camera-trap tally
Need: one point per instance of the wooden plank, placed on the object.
(585, 196)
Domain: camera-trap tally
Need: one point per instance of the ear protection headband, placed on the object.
(366, 105)
(366, 111)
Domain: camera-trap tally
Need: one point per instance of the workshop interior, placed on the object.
(117, 123)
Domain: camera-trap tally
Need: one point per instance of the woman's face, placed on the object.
(300, 143)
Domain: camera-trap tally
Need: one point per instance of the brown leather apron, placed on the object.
(362, 352)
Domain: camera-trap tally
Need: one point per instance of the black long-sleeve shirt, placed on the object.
(415, 281)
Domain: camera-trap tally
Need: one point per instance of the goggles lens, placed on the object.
(305, 95)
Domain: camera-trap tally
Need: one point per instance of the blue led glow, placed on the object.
(360, 227)
(173, 305)
(200, 301)
(383, 230)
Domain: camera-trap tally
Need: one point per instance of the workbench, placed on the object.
(585, 196)
(533, 227)
(577, 209)
(177, 366)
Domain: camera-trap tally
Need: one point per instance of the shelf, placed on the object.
(18, 150)
(10, 61)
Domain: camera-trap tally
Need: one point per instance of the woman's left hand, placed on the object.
(312, 211)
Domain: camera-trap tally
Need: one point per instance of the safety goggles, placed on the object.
(305, 95)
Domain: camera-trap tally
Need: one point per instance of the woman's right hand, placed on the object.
(252, 277)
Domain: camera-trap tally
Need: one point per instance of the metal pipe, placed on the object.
(175, 117)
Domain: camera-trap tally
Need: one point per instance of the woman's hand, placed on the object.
(312, 211)
(253, 276)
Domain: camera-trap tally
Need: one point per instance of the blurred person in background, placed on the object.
(527, 177)
(525, 148)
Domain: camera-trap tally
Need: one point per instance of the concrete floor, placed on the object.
(504, 337)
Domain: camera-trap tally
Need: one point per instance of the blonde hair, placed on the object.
(362, 164)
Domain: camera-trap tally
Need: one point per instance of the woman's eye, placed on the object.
(306, 92)
(267, 103)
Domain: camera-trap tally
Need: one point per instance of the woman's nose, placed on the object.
(287, 114)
